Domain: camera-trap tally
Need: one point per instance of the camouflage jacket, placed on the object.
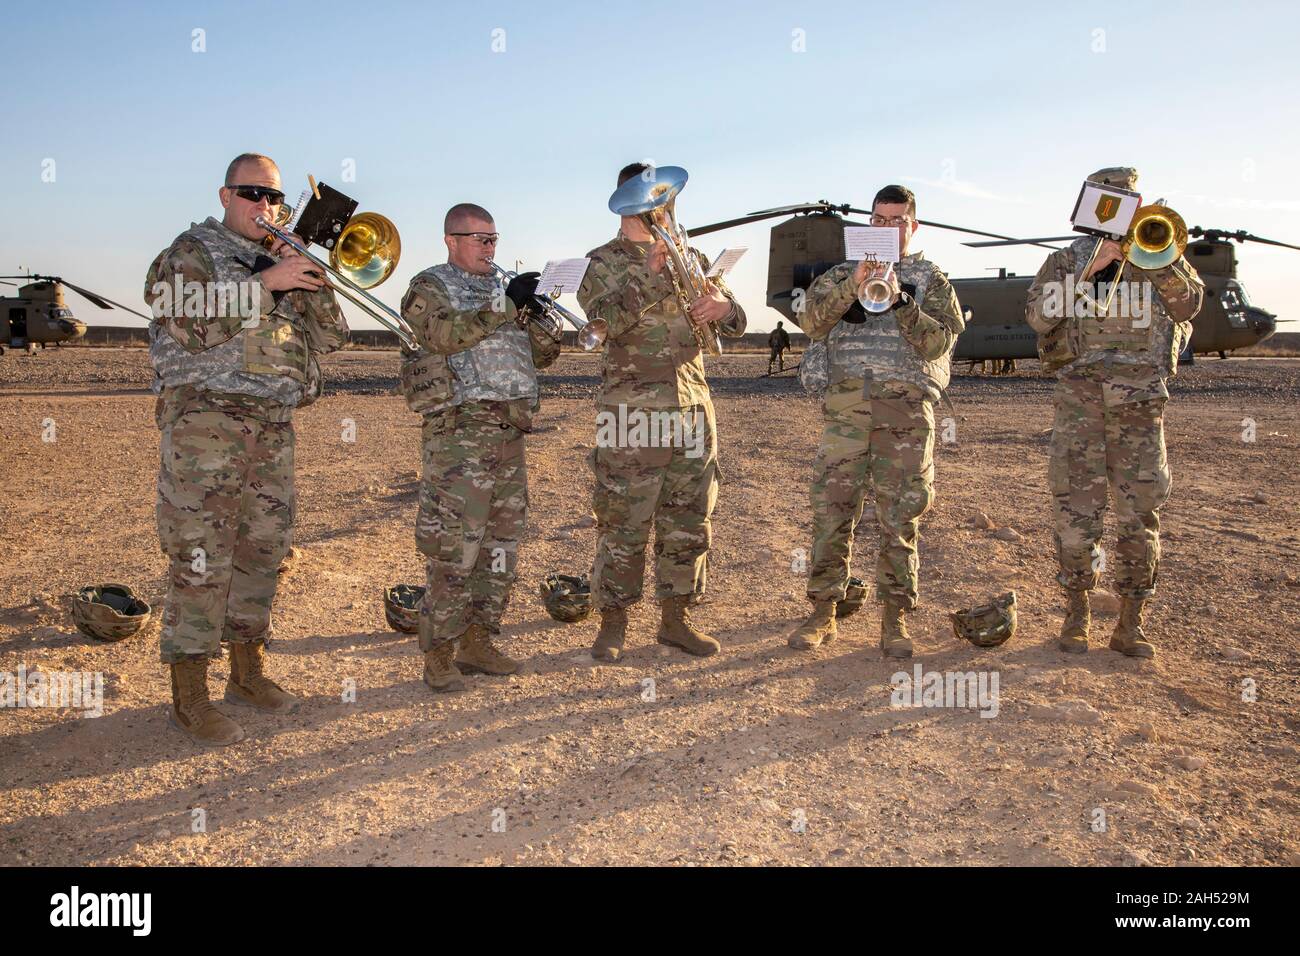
(221, 339)
(475, 360)
(651, 357)
(1141, 349)
(911, 343)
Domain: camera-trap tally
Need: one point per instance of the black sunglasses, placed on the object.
(258, 193)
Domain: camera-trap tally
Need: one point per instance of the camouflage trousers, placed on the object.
(1100, 440)
(885, 442)
(225, 519)
(473, 508)
(675, 488)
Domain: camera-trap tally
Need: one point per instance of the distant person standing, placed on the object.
(1110, 399)
(233, 344)
(778, 342)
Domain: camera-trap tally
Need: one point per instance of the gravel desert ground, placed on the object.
(760, 755)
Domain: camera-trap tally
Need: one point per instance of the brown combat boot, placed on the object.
(440, 671)
(894, 639)
(478, 654)
(1074, 630)
(249, 686)
(1129, 638)
(193, 712)
(818, 629)
(676, 629)
(613, 632)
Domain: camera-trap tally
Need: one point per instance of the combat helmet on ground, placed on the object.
(567, 597)
(108, 612)
(988, 625)
(402, 607)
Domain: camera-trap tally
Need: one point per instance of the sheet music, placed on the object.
(726, 260)
(871, 242)
(562, 275)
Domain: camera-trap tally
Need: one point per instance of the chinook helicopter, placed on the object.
(38, 315)
(812, 241)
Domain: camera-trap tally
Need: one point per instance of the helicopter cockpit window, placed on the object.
(62, 313)
(1233, 298)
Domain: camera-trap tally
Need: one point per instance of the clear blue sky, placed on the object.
(992, 112)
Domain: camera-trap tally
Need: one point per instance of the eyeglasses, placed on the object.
(891, 221)
(258, 193)
(482, 238)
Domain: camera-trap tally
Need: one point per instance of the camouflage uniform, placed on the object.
(475, 382)
(881, 378)
(1109, 427)
(227, 385)
(652, 365)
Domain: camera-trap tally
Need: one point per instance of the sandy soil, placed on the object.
(758, 755)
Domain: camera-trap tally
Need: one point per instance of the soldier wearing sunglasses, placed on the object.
(232, 356)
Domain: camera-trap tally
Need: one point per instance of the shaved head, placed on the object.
(233, 170)
(462, 215)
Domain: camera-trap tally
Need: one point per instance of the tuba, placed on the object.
(591, 335)
(363, 254)
(653, 201)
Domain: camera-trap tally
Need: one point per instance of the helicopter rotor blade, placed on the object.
(1240, 235)
(1020, 242)
(103, 301)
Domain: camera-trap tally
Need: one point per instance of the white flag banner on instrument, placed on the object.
(871, 242)
(727, 258)
(1104, 210)
(561, 276)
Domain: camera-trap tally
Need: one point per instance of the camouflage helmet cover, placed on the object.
(402, 607)
(108, 612)
(855, 593)
(987, 625)
(567, 597)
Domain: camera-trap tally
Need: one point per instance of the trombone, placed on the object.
(654, 201)
(591, 335)
(1157, 237)
(365, 254)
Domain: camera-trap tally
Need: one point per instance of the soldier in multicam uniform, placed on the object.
(233, 344)
(883, 373)
(475, 382)
(652, 367)
(1110, 399)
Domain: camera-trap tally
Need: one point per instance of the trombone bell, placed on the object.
(1156, 238)
(367, 250)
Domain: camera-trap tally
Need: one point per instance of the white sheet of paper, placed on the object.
(871, 242)
(726, 259)
(562, 275)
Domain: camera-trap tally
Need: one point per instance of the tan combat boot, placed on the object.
(249, 686)
(675, 628)
(478, 654)
(440, 671)
(1129, 638)
(193, 712)
(1074, 630)
(894, 639)
(613, 632)
(817, 630)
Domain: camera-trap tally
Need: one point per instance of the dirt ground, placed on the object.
(759, 755)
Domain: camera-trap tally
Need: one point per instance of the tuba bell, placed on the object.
(654, 201)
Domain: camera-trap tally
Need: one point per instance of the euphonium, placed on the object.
(653, 201)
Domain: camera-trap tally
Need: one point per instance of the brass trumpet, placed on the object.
(591, 335)
(654, 201)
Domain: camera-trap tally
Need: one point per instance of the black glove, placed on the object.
(855, 314)
(521, 288)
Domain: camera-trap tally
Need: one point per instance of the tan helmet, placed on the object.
(988, 625)
(567, 597)
(855, 593)
(108, 612)
(402, 607)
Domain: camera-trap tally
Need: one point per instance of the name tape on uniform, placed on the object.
(562, 275)
(726, 259)
(871, 242)
(1105, 210)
